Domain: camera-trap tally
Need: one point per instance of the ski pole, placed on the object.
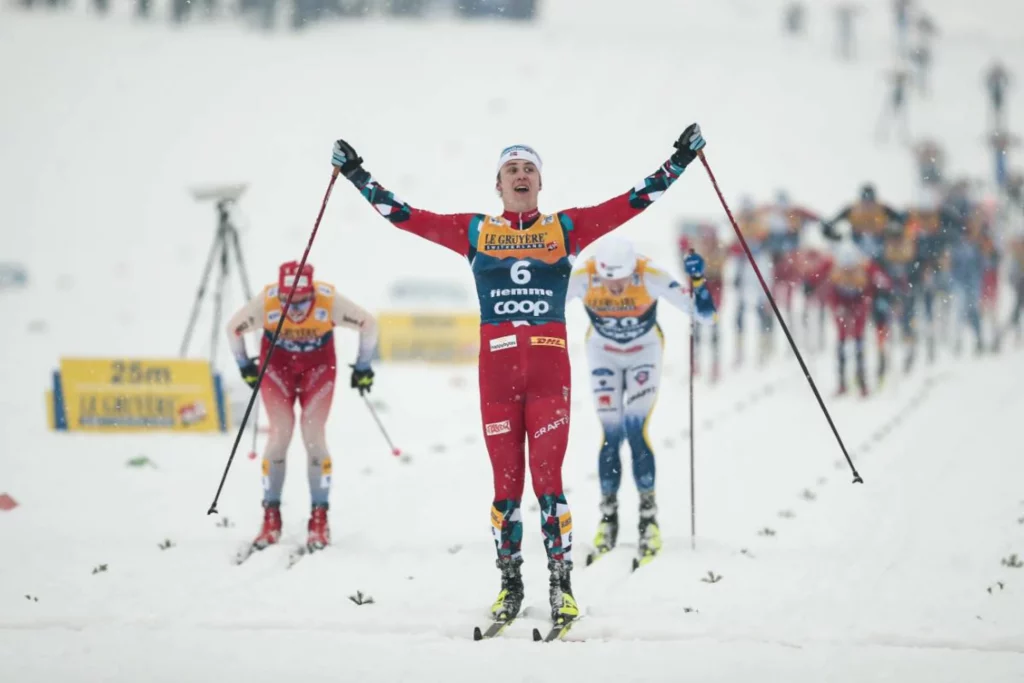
(693, 362)
(757, 271)
(273, 343)
(394, 451)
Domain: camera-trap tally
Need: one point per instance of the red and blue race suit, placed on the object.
(521, 263)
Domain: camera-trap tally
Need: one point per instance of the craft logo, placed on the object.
(642, 377)
(550, 427)
(547, 341)
(495, 428)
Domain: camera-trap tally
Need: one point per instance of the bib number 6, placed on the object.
(520, 272)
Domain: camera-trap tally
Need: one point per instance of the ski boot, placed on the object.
(764, 349)
(319, 531)
(563, 605)
(608, 530)
(510, 599)
(650, 534)
(271, 531)
(862, 384)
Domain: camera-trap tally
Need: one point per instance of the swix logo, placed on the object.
(495, 428)
(506, 342)
(635, 397)
(604, 401)
(552, 426)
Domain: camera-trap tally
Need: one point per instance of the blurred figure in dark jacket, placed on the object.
(997, 80)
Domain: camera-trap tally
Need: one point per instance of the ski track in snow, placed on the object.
(896, 579)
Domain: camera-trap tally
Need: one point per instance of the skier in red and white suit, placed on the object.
(852, 285)
(302, 368)
(522, 260)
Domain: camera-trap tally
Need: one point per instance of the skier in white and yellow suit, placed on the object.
(620, 292)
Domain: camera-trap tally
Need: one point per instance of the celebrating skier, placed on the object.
(620, 293)
(302, 368)
(521, 261)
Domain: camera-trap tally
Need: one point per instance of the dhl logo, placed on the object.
(547, 341)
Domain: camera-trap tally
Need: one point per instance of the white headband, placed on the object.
(519, 152)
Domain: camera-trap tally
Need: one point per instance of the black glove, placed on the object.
(362, 379)
(688, 144)
(345, 158)
(250, 372)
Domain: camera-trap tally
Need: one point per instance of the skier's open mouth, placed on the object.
(521, 189)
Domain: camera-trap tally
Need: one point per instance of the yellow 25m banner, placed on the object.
(130, 394)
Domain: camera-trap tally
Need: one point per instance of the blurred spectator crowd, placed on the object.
(299, 14)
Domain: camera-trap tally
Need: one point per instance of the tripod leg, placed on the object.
(218, 302)
(235, 242)
(200, 293)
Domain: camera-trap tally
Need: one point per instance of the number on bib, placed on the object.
(520, 272)
(619, 322)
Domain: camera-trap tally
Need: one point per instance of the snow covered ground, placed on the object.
(106, 126)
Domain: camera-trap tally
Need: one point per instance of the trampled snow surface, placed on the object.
(897, 579)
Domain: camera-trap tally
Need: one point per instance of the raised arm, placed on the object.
(587, 224)
(447, 230)
(346, 313)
